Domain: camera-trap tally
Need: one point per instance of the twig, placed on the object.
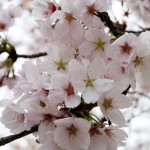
(127, 90)
(32, 56)
(10, 138)
(139, 32)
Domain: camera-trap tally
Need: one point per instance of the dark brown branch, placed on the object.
(116, 30)
(32, 56)
(10, 138)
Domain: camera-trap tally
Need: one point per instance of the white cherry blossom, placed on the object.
(75, 131)
(62, 82)
(98, 139)
(87, 79)
(110, 102)
(14, 119)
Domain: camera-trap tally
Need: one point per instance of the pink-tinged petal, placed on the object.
(76, 69)
(121, 134)
(4, 102)
(123, 101)
(35, 117)
(84, 143)
(79, 85)
(63, 122)
(94, 33)
(96, 68)
(59, 81)
(59, 134)
(76, 30)
(98, 142)
(61, 29)
(26, 86)
(57, 15)
(43, 129)
(85, 48)
(103, 85)
(90, 95)
(116, 116)
(72, 101)
(80, 123)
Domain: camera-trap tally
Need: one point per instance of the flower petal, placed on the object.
(90, 95)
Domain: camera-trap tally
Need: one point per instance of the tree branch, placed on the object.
(32, 56)
(10, 138)
(116, 30)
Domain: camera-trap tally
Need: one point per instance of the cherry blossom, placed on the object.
(76, 132)
(96, 42)
(124, 48)
(14, 118)
(90, 7)
(61, 82)
(110, 102)
(98, 139)
(85, 67)
(115, 136)
(67, 22)
(44, 8)
(49, 143)
(87, 79)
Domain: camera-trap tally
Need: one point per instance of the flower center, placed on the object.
(20, 117)
(89, 81)
(91, 9)
(61, 64)
(69, 89)
(99, 44)
(69, 17)
(108, 103)
(94, 132)
(138, 62)
(50, 9)
(109, 133)
(47, 119)
(72, 130)
(126, 48)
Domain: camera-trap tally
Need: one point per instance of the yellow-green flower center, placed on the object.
(138, 62)
(61, 64)
(108, 103)
(89, 81)
(99, 44)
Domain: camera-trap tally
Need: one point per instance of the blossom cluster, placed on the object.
(85, 69)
